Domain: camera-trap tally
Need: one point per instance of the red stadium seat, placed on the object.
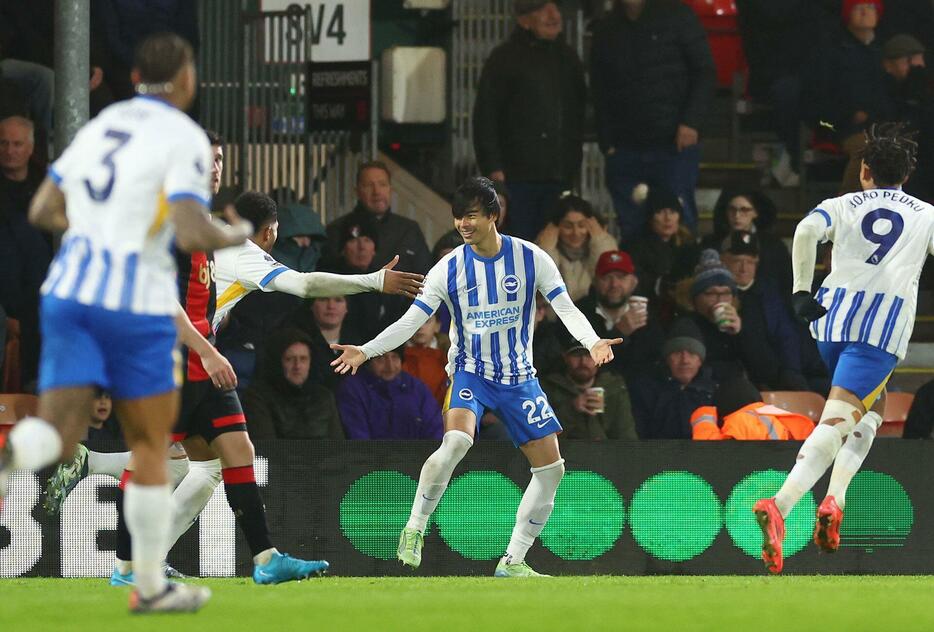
(14, 407)
(897, 406)
(719, 18)
(802, 402)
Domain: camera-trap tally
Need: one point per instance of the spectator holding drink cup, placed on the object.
(612, 308)
(733, 347)
(590, 402)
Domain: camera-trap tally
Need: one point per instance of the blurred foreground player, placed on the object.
(862, 319)
(110, 300)
(489, 285)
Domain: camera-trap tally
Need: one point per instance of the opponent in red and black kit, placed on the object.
(206, 411)
(211, 423)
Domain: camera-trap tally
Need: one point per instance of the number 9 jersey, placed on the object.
(119, 175)
(881, 239)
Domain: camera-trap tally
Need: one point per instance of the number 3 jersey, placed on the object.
(881, 239)
(118, 176)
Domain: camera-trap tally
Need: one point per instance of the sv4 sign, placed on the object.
(337, 30)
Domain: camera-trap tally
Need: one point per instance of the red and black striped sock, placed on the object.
(247, 505)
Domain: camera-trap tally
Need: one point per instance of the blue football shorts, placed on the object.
(858, 367)
(129, 355)
(523, 408)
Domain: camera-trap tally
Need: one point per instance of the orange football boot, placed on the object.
(827, 529)
(773, 533)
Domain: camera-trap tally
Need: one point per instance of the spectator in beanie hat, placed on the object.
(664, 397)
(732, 347)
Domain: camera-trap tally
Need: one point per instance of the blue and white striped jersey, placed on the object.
(492, 304)
(881, 239)
(119, 175)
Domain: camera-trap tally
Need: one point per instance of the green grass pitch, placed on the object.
(444, 604)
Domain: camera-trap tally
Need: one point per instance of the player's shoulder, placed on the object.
(444, 262)
(522, 244)
(247, 249)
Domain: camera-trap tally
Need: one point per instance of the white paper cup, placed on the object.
(601, 393)
(639, 303)
(720, 315)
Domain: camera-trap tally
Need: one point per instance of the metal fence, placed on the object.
(252, 69)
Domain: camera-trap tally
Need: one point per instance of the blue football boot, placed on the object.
(285, 568)
(119, 579)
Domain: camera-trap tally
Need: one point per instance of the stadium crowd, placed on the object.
(705, 318)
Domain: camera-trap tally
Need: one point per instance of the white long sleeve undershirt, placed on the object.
(322, 284)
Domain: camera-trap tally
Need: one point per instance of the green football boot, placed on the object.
(520, 569)
(64, 480)
(410, 547)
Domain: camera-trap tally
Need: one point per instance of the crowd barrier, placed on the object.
(623, 508)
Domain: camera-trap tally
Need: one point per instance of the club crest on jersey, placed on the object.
(465, 394)
(510, 284)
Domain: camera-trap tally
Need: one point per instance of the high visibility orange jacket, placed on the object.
(755, 422)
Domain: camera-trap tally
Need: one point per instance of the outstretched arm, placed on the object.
(582, 330)
(393, 337)
(320, 284)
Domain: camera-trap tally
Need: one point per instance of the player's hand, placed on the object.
(407, 284)
(594, 227)
(806, 307)
(350, 359)
(602, 352)
(632, 320)
(686, 137)
(219, 370)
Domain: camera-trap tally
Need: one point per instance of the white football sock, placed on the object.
(178, 468)
(148, 513)
(262, 558)
(192, 495)
(534, 510)
(814, 457)
(35, 444)
(851, 456)
(108, 463)
(435, 475)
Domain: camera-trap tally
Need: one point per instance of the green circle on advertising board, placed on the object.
(741, 522)
(675, 516)
(588, 517)
(374, 510)
(477, 513)
(878, 513)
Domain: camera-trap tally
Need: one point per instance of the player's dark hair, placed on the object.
(476, 193)
(257, 207)
(567, 203)
(373, 164)
(214, 138)
(890, 153)
(159, 57)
